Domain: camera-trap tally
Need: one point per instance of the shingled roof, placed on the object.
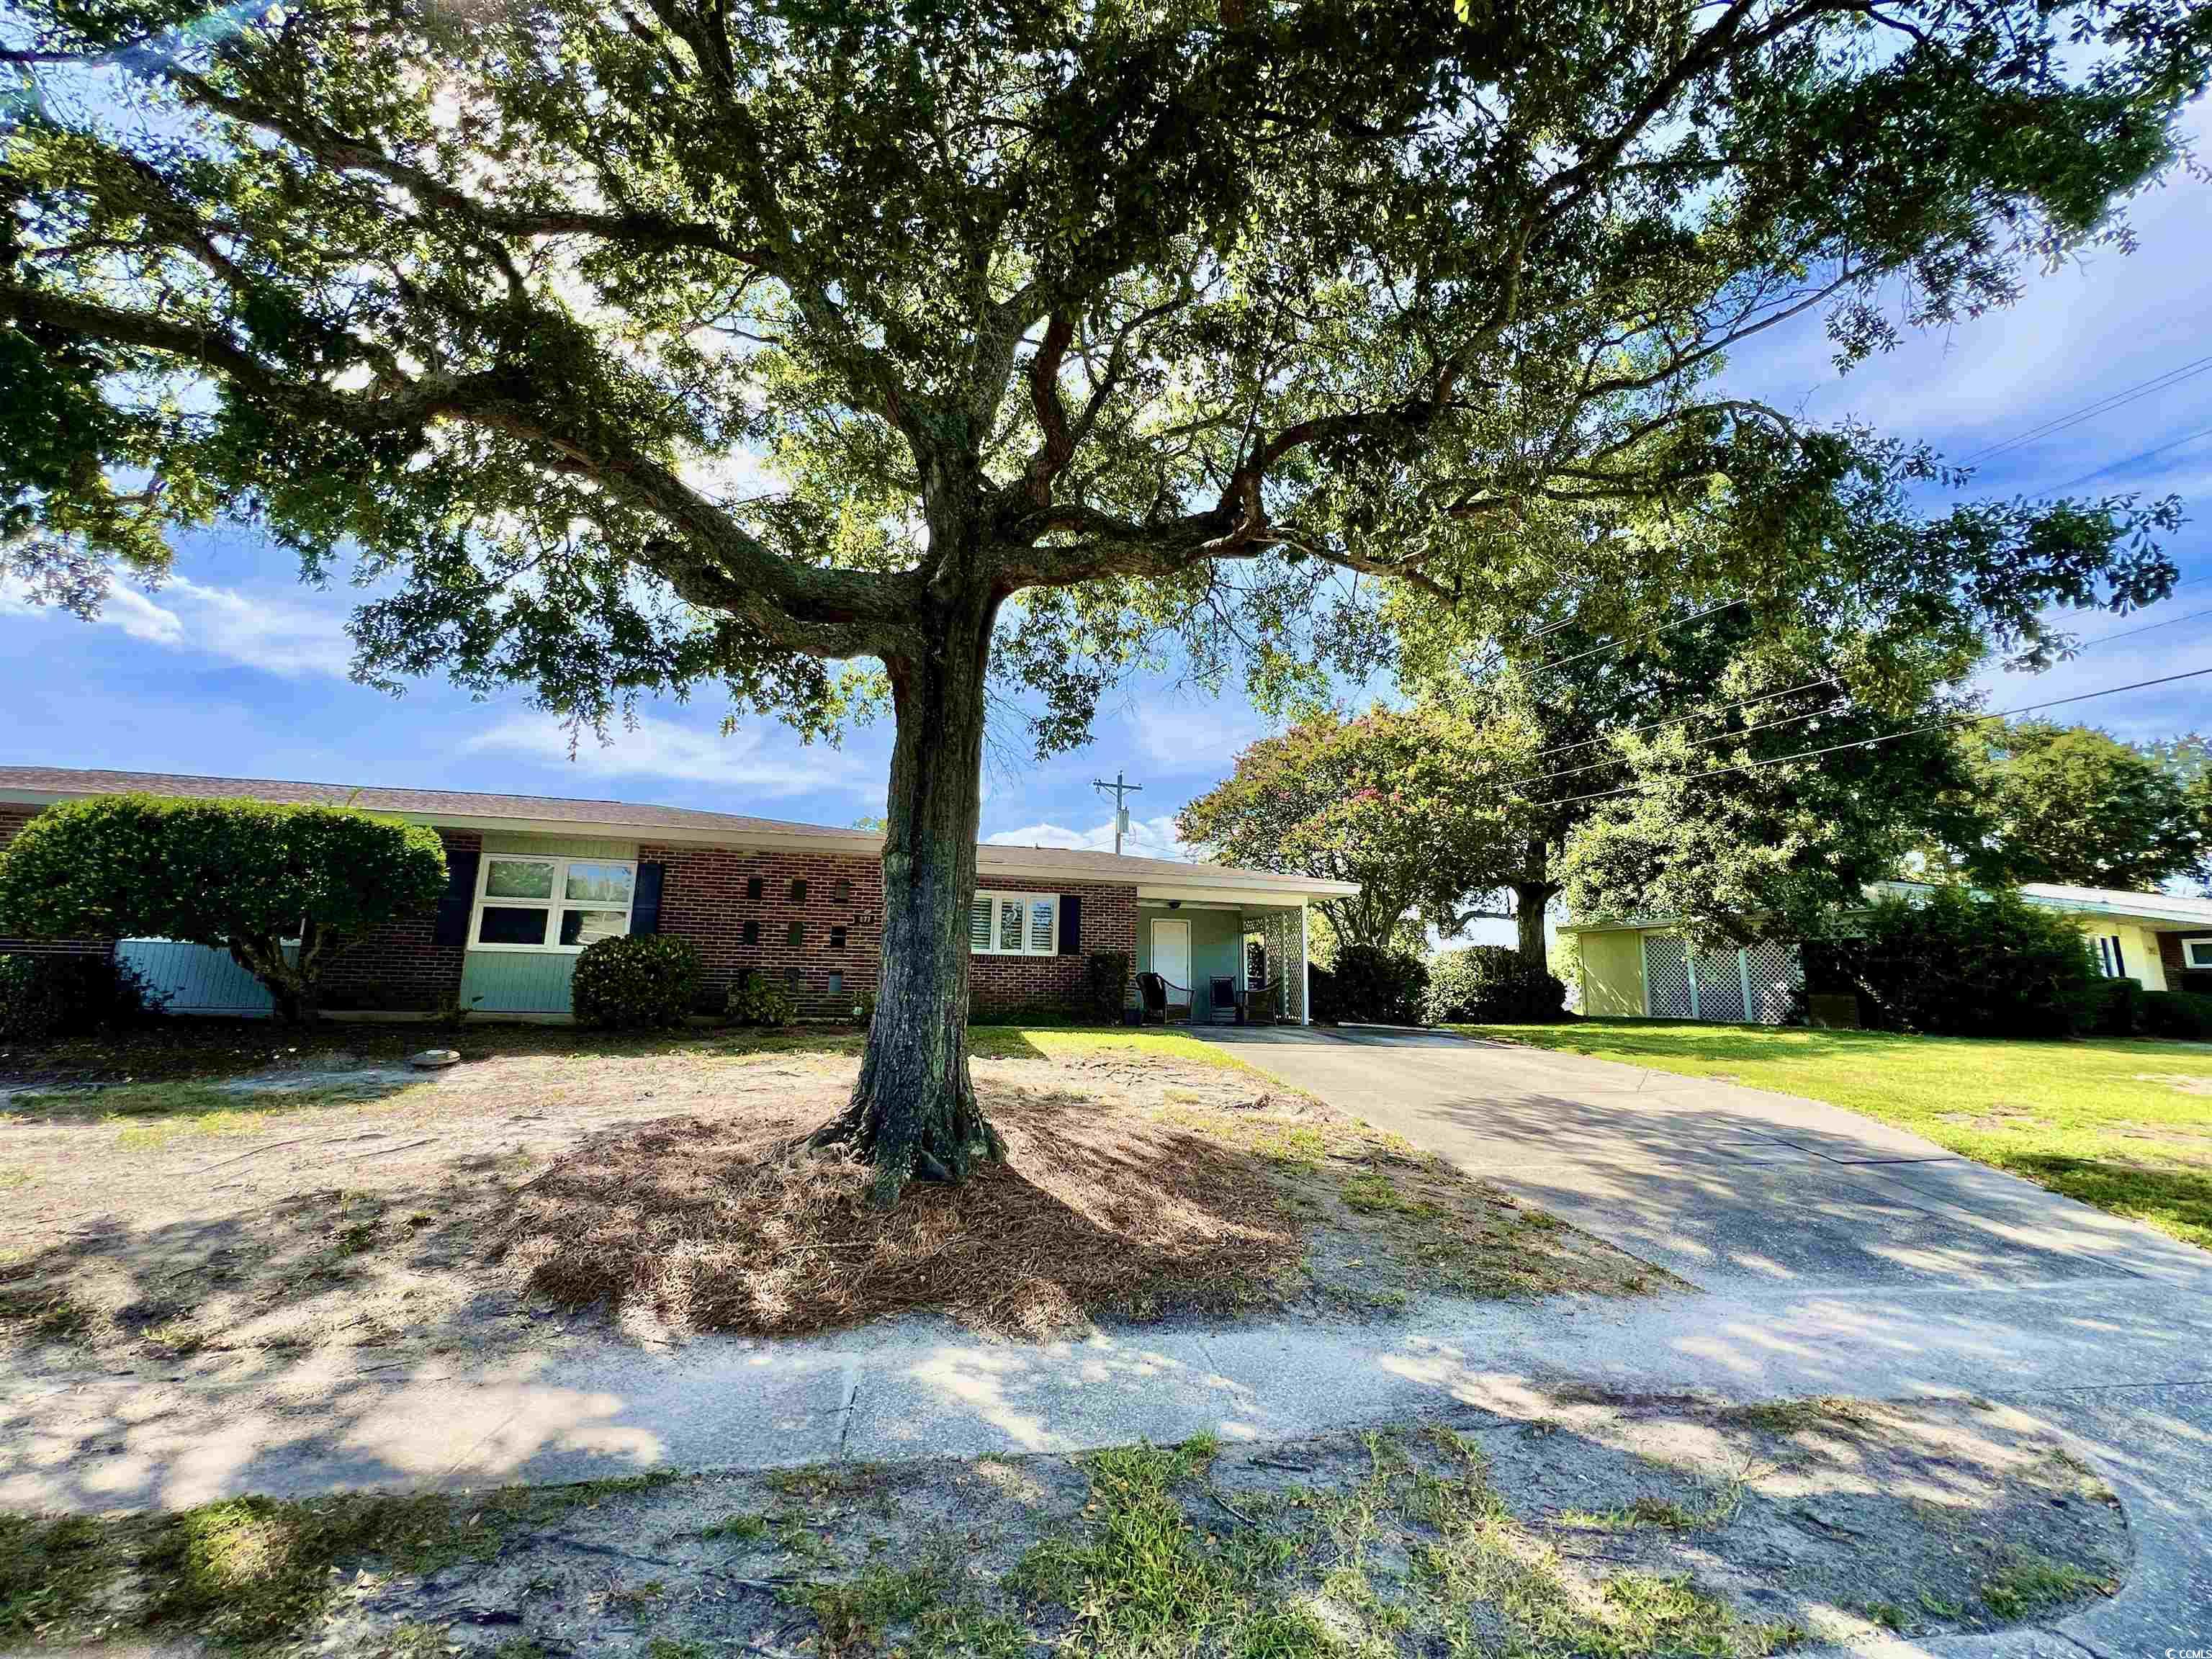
(465, 809)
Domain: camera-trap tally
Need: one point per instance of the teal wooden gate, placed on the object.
(196, 979)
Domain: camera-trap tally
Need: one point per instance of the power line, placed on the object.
(1890, 736)
(1833, 707)
(1625, 639)
(1811, 685)
(2130, 460)
(2056, 424)
(2125, 395)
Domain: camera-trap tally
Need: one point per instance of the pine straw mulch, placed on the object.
(1108, 1207)
(735, 1226)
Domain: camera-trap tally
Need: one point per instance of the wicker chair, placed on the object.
(1161, 997)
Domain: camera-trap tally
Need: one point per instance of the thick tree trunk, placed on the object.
(292, 988)
(1531, 896)
(912, 1113)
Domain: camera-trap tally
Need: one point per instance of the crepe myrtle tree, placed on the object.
(640, 345)
(1392, 799)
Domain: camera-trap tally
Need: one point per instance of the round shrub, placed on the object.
(636, 980)
(1489, 984)
(1371, 982)
(755, 999)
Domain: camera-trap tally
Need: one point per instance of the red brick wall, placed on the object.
(2179, 975)
(703, 899)
(1109, 923)
(400, 967)
(12, 819)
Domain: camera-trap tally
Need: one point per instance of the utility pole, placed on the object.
(1121, 810)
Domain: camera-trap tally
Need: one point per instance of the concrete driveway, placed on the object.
(1719, 1183)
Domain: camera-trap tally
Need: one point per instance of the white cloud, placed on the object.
(1149, 838)
(276, 636)
(662, 749)
(1183, 736)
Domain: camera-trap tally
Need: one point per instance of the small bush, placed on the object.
(1964, 964)
(2185, 1016)
(756, 999)
(635, 981)
(1488, 983)
(1371, 982)
(46, 996)
(1108, 985)
(2119, 1008)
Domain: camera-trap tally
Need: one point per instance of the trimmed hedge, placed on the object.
(1371, 982)
(636, 982)
(2185, 1016)
(1106, 984)
(43, 996)
(1487, 984)
(1964, 964)
(2119, 1008)
(754, 998)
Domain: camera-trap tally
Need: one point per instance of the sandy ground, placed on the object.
(1657, 1525)
(365, 1205)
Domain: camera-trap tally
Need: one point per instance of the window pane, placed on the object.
(979, 925)
(505, 925)
(1010, 924)
(582, 927)
(1041, 942)
(520, 879)
(599, 883)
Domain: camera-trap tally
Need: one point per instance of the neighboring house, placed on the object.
(535, 878)
(1641, 968)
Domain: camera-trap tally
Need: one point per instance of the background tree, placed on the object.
(1103, 318)
(2073, 804)
(1660, 776)
(1389, 800)
(240, 875)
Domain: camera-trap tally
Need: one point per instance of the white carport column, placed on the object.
(1305, 967)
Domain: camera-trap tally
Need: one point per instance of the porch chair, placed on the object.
(1262, 1004)
(1160, 999)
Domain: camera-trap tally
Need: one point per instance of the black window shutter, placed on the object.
(1070, 924)
(451, 931)
(644, 908)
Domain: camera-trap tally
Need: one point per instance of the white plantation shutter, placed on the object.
(978, 924)
(1010, 924)
(1044, 937)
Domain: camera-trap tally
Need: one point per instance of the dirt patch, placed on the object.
(1600, 1526)
(523, 1197)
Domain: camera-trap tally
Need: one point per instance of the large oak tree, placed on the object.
(1051, 323)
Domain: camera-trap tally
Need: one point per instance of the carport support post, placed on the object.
(1305, 967)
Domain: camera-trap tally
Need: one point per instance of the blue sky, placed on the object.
(234, 667)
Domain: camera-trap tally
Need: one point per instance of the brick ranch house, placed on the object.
(535, 878)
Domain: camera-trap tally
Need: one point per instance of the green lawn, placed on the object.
(2124, 1126)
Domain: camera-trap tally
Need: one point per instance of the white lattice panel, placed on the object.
(1666, 976)
(1720, 986)
(1777, 975)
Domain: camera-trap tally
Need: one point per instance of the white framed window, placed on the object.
(2111, 962)
(2196, 953)
(1014, 924)
(529, 902)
